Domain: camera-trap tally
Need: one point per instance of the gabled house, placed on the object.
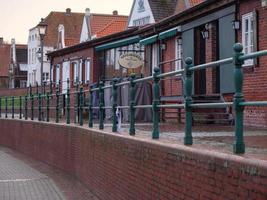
(145, 12)
(99, 25)
(18, 65)
(13, 64)
(4, 63)
(63, 30)
(186, 4)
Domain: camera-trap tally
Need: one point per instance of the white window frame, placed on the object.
(57, 73)
(80, 70)
(249, 35)
(178, 54)
(76, 71)
(87, 70)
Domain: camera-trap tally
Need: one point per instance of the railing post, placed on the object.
(26, 107)
(188, 140)
(30, 89)
(57, 103)
(20, 107)
(6, 107)
(32, 106)
(101, 105)
(76, 102)
(39, 107)
(81, 106)
(239, 146)
(51, 87)
(156, 96)
(114, 104)
(90, 108)
(37, 88)
(132, 104)
(12, 104)
(68, 102)
(47, 106)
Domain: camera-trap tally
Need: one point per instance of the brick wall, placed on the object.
(255, 79)
(122, 167)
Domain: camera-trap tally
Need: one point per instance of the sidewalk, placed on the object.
(22, 178)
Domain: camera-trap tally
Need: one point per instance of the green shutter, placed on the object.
(119, 43)
(149, 40)
(226, 42)
(188, 47)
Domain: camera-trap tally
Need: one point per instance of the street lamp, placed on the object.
(42, 26)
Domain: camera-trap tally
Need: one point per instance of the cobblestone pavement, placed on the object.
(22, 178)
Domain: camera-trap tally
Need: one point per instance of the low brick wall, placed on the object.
(124, 167)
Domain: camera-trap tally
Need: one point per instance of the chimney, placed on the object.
(68, 11)
(87, 12)
(1, 40)
(115, 12)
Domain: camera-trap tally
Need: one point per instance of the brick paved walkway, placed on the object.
(22, 178)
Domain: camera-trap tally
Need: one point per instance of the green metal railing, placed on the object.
(79, 99)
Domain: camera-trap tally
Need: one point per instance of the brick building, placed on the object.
(205, 31)
(4, 63)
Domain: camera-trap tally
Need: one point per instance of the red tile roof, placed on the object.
(195, 2)
(103, 24)
(113, 27)
(72, 24)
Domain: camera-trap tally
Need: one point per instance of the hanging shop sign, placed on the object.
(130, 60)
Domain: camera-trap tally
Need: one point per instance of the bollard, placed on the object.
(155, 132)
(32, 108)
(101, 105)
(12, 106)
(39, 107)
(81, 106)
(68, 102)
(90, 108)
(20, 107)
(188, 140)
(47, 106)
(26, 107)
(6, 107)
(114, 104)
(57, 104)
(132, 104)
(239, 146)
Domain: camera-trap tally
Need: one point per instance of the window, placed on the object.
(142, 21)
(29, 59)
(45, 76)
(57, 74)
(178, 54)
(117, 56)
(80, 70)
(76, 71)
(248, 35)
(155, 57)
(87, 70)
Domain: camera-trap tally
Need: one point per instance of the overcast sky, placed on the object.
(18, 16)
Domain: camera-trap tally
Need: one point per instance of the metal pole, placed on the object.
(39, 107)
(57, 106)
(81, 106)
(132, 104)
(156, 89)
(90, 108)
(47, 106)
(76, 102)
(32, 108)
(188, 140)
(42, 58)
(20, 107)
(68, 102)
(0, 107)
(239, 146)
(114, 104)
(6, 106)
(26, 107)
(101, 105)
(12, 102)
